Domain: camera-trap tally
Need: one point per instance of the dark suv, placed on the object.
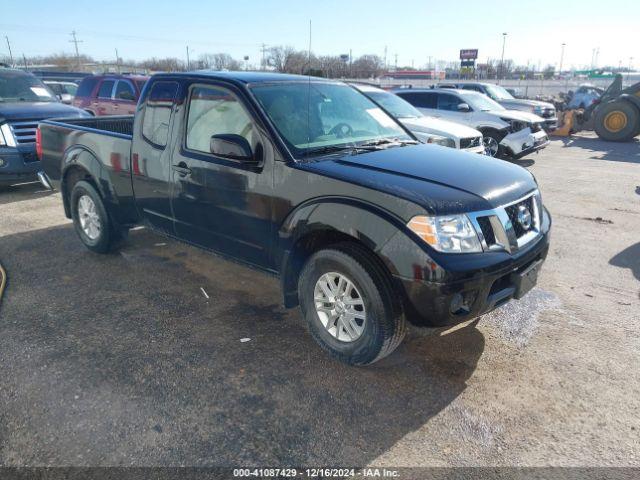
(109, 94)
(24, 101)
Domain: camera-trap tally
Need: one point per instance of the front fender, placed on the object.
(379, 230)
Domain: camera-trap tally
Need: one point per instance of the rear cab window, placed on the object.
(157, 113)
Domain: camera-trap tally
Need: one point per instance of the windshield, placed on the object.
(480, 102)
(497, 92)
(393, 104)
(18, 87)
(325, 116)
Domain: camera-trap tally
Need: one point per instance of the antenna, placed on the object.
(309, 90)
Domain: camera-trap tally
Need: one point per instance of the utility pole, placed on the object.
(350, 64)
(25, 62)
(188, 61)
(117, 61)
(597, 55)
(396, 56)
(75, 41)
(263, 48)
(9, 46)
(386, 65)
(504, 39)
(629, 71)
(561, 58)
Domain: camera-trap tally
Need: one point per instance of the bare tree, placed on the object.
(367, 66)
(219, 61)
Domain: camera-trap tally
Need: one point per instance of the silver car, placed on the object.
(499, 94)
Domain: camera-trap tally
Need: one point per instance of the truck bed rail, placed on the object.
(122, 125)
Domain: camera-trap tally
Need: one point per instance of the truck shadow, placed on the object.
(158, 369)
(22, 192)
(628, 152)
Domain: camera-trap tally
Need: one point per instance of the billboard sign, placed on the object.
(469, 54)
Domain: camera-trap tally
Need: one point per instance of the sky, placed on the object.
(413, 29)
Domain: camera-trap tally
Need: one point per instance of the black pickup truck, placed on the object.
(310, 180)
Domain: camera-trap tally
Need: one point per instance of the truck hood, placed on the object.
(441, 180)
(436, 126)
(519, 115)
(522, 104)
(37, 110)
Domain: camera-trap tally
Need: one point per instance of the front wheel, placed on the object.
(90, 219)
(491, 145)
(349, 306)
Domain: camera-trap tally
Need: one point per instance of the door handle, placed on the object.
(182, 169)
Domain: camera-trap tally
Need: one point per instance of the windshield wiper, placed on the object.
(388, 141)
(329, 149)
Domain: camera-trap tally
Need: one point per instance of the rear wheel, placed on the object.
(349, 305)
(90, 219)
(617, 121)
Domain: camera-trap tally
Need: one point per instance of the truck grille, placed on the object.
(25, 131)
(548, 113)
(512, 212)
(470, 142)
(501, 229)
(487, 230)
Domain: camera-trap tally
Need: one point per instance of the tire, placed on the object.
(491, 140)
(87, 210)
(617, 121)
(383, 327)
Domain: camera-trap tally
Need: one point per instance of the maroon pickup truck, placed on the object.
(109, 94)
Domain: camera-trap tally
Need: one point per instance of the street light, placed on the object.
(504, 38)
(561, 58)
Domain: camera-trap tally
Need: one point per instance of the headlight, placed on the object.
(444, 141)
(6, 136)
(447, 233)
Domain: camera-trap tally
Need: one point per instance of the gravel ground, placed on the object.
(122, 359)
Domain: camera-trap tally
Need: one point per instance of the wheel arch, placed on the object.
(330, 222)
(79, 164)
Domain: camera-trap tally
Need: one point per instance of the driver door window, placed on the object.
(215, 111)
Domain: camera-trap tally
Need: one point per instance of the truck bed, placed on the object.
(101, 146)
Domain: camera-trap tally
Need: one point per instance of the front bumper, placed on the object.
(19, 164)
(478, 290)
(524, 142)
(550, 123)
(479, 149)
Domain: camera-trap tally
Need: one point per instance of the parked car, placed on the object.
(24, 101)
(65, 91)
(585, 96)
(309, 180)
(500, 95)
(426, 129)
(109, 94)
(506, 133)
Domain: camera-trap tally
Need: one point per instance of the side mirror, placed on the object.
(232, 146)
(66, 98)
(464, 107)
